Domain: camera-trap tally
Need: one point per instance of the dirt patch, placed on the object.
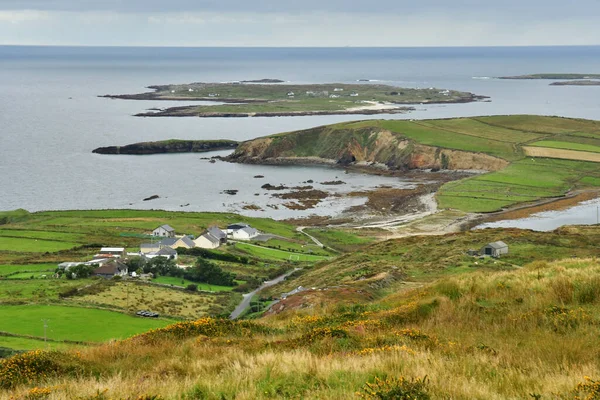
(318, 297)
(561, 153)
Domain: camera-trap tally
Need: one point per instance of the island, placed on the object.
(553, 76)
(250, 99)
(169, 146)
(585, 82)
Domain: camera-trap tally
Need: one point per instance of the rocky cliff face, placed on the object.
(369, 145)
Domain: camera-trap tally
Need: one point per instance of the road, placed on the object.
(248, 296)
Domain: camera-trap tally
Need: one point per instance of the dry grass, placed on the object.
(492, 335)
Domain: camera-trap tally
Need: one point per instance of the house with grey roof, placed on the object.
(495, 249)
(174, 243)
(218, 233)
(164, 231)
(165, 252)
(246, 233)
(111, 269)
(207, 241)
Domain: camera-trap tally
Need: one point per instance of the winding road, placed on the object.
(248, 296)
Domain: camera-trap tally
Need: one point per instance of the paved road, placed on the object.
(248, 296)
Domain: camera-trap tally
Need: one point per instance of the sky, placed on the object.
(284, 23)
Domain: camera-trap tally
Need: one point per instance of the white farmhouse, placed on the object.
(245, 233)
(207, 241)
(164, 231)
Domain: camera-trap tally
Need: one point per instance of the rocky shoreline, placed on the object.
(169, 146)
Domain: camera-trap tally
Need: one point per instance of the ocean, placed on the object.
(51, 117)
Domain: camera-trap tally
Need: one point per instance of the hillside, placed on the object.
(531, 157)
(490, 334)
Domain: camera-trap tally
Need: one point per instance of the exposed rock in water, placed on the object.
(268, 186)
(153, 197)
(331, 183)
(169, 146)
(268, 80)
(259, 176)
(231, 192)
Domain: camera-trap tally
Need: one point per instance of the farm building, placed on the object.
(234, 227)
(111, 269)
(164, 231)
(495, 249)
(106, 252)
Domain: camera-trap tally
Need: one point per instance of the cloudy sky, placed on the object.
(299, 22)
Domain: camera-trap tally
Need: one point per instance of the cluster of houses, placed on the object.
(324, 93)
(110, 260)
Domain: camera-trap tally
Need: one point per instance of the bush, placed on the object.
(395, 389)
(192, 288)
(36, 366)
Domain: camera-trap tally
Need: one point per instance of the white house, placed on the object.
(207, 241)
(164, 231)
(337, 89)
(246, 233)
(146, 248)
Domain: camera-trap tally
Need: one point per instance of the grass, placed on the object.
(133, 297)
(274, 254)
(180, 282)
(21, 343)
(523, 181)
(73, 323)
(566, 145)
(339, 239)
(10, 269)
(33, 245)
(483, 335)
(37, 290)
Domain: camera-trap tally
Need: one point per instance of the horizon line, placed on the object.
(297, 47)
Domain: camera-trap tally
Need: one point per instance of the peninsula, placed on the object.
(169, 146)
(584, 82)
(245, 99)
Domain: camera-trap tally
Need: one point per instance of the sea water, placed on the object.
(51, 117)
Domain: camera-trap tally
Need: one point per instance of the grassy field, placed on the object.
(267, 253)
(11, 269)
(22, 343)
(73, 323)
(180, 282)
(339, 239)
(566, 145)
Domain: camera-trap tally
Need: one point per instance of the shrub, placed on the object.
(589, 389)
(36, 366)
(191, 287)
(395, 389)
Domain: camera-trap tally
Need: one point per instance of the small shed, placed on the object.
(164, 231)
(495, 249)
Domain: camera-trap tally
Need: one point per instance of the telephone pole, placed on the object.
(45, 321)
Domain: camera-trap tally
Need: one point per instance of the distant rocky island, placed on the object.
(274, 98)
(585, 82)
(553, 76)
(169, 146)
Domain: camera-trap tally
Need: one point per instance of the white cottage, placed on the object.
(164, 231)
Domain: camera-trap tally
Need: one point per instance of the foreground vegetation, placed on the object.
(529, 332)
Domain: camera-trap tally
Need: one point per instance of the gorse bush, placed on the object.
(36, 366)
(395, 389)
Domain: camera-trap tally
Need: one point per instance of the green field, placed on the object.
(32, 245)
(567, 146)
(73, 323)
(10, 269)
(274, 254)
(180, 282)
(339, 239)
(523, 181)
(21, 343)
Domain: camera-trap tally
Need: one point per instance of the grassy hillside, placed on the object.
(525, 333)
(564, 158)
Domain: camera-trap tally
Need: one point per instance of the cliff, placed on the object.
(366, 145)
(169, 146)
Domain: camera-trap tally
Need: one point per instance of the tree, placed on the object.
(191, 287)
(208, 272)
